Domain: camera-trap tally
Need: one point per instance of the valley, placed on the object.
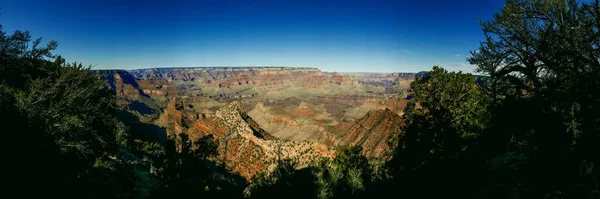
(260, 115)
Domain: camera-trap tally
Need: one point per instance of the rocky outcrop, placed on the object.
(244, 148)
(264, 151)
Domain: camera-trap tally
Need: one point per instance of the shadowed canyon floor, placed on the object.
(259, 115)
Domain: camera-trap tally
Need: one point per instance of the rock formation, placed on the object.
(241, 149)
(292, 113)
(372, 132)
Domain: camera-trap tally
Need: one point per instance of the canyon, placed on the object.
(260, 115)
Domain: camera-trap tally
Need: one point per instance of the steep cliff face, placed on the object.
(343, 120)
(143, 97)
(372, 132)
(243, 148)
(227, 76)
(125, 84)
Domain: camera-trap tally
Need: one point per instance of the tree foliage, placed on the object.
(62, 138)
(543, 62)
(528, 128)
(348, 175)
(187, 170)
(439, 146)
(450, 116)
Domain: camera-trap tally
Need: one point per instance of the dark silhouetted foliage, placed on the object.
(528, 127)
(61, 136)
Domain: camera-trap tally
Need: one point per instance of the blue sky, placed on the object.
(345, 36)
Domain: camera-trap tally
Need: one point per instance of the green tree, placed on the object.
(62, 138)
(542, 58)
(451, 116)
(348, 175)
(440, 140)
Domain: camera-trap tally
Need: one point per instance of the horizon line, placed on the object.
(251, 66)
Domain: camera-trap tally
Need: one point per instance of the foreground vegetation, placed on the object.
(528, 128)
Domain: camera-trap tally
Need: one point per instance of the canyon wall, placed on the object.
(260, 115)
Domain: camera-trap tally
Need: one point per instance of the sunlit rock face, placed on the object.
(243, 148)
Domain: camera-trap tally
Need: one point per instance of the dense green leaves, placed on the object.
(438, 153)
(451, 116)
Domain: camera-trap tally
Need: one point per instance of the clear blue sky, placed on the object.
(349, 36)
